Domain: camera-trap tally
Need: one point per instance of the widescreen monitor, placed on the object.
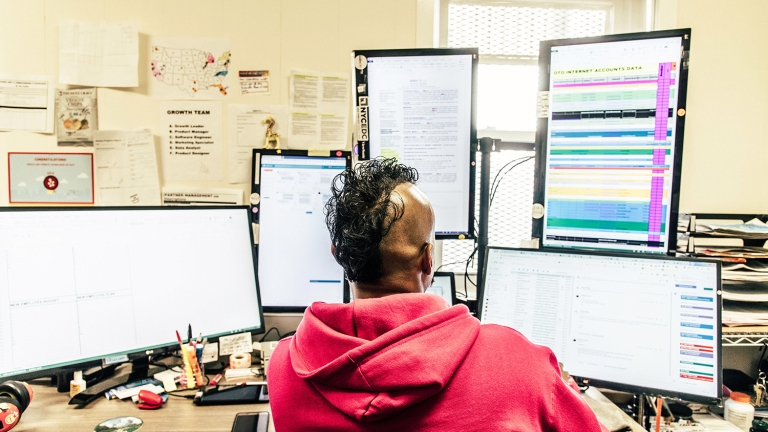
(79, 285)
(444, 285)
(643, 324)
(609, 150)
(295, 264)
(419, 106)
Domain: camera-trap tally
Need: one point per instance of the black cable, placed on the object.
(506, 165)
(443, 265)
(496, 187)
(466, 272)
(493, 192)
(268, 331)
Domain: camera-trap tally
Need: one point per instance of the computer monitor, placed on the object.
(444, 285)
(644, 324)
(419, 105)
(79, 285)
(609, 146)
(295, 264)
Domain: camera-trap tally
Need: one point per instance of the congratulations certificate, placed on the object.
(50, 178)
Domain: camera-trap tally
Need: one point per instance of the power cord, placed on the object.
(494, 189)
(267, 333)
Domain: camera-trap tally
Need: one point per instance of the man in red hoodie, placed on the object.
(397, 359)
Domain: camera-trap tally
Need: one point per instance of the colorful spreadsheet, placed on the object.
(611, 144)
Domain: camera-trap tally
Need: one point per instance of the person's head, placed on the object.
(382, 229)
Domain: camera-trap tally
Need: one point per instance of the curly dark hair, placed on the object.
(360, 213)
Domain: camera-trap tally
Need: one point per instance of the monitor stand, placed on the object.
(140, 369)
(91, 376)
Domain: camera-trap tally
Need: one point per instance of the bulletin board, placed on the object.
(258, 41)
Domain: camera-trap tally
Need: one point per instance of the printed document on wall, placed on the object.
(247, 131)
(26, 103)
(315, 129)
(315, 90)
(319, 110)
(192, 141)
(189, 68)
(126, 168)
(102, 55)
(180, 196)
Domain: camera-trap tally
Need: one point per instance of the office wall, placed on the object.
(279, 35)
(725, 164)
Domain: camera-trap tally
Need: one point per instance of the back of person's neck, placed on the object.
(385, 286)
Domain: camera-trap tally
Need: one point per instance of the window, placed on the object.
(509, 219)
(507, 34)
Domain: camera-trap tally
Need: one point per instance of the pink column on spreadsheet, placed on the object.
(659, 152)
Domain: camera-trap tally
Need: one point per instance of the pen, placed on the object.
(189, 333)
(658, 413)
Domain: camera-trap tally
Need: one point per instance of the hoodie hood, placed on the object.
(375, 357)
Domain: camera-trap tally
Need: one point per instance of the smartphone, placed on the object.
(251, 422)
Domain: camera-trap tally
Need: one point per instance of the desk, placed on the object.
(49, 412)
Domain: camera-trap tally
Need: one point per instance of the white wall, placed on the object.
(279, 35)
(725, 157)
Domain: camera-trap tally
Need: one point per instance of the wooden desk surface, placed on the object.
(49, 412)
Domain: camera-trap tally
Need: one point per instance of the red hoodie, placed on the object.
(408, 362)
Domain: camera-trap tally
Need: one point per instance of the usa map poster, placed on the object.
(190, 69)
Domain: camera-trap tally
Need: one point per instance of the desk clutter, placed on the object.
(177, 378)
(740, 241)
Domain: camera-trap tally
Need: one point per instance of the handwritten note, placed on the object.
(237, 343)
(126, 168)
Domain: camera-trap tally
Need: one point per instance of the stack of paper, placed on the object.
(733, 252)
(754, 229)
(744, 314)
(745, 291)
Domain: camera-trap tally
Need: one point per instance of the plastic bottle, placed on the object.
(76, 385)
(739, 411)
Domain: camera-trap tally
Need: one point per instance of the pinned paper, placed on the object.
(241, 342)
(542, 104)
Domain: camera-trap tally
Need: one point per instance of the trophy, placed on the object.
(272, 140)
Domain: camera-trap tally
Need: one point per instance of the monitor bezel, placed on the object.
(452, 277)
(542, 133)
(256, 189)
(363, 146)
(626, 387)
(145, 351)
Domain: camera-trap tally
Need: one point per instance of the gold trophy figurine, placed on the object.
(272, 140)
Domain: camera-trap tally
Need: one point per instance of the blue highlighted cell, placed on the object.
(696, 336)
(697, 298)
(697, 325)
